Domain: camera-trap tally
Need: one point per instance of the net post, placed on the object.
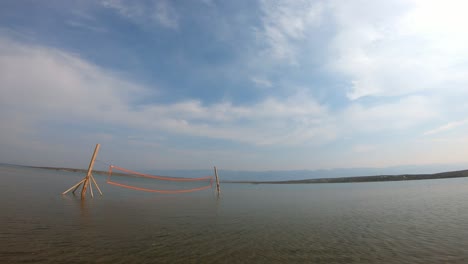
(109, 173)
(90, 169)
(88, 176)
(91, 188)
(217, 180)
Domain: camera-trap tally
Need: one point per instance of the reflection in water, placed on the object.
(393, 222)
(83, 208)
(77, 204)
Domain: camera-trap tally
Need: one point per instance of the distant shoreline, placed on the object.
(354, 179)
(86, 171)
(67, 169)
(376, 178)
(78, 170)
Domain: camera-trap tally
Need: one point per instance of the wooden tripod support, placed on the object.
(88, 180)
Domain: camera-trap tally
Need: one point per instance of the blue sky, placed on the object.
(244, 85)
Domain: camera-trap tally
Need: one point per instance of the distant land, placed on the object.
(67, 169)
(375, 178)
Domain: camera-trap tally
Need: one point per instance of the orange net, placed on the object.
(134, 174)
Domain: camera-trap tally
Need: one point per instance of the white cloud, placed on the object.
(410, 54)
(440, 22)
(271, 121)
(125, 8)
(446, 127)
(85, 26)
(166, 15)
(41, 85)
(283, 23)
(83, 20)
(261, 82)
(400, 47)
(160, 12)
(48, 82)
(404, 114)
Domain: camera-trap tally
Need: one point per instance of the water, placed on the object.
(387, 222)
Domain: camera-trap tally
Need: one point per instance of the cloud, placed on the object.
(391, 72)
(83, 20)
(161, 12)
(166, 15)
(399, 47)
(285, 22)
(85, 26)
(43, 81)
(446, 127)
(270, 121)
(261, 82)
(404, 114)
(42, 85)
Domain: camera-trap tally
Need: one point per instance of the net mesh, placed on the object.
(133, 180)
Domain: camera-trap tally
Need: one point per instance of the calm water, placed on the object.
(392, 222)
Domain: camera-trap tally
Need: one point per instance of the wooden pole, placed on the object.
(74, 186)
(86, 181)
(90, 169)
(78, 186)
(217, 180)
(91, 188)
(92, 177)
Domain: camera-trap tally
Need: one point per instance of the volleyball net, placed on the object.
(133, 180)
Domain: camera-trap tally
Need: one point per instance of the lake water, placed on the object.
(387, 222)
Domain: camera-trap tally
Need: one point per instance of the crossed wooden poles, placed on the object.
(88, 180)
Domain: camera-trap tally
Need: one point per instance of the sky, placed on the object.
(243, 85)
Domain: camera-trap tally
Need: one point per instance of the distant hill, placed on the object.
(377, 178)
(290, 175)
